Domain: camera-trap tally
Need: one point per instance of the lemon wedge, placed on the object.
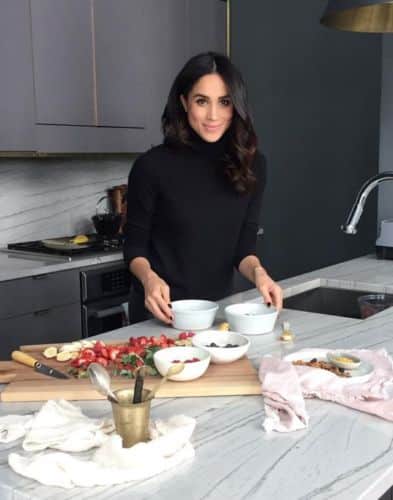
(79, 239)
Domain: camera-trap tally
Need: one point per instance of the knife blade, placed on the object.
(26, 359)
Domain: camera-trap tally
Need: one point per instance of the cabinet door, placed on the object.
(121, 32)
(38, 293)
(59, 324)
(63, 61)
(206, 20)
(16, 81)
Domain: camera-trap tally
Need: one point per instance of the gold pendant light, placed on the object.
(364, 16)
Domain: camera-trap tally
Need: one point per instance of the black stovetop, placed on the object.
(97, 244)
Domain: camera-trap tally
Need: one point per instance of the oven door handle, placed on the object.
(85, 322)
(84, 286)
(103, 313)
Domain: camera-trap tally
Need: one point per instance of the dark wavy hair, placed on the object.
(237, 163)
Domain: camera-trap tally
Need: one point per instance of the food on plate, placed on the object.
(223, 327)
(323, 365)
(343, 359)
(64, 356)
(79, 239)
(50, 352)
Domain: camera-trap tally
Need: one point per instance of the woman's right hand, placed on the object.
(157, 297)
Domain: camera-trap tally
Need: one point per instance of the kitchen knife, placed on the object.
(26, 359)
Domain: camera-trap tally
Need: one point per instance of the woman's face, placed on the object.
(209, 108)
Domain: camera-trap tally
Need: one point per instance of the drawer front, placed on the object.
(44, 291)
(59, 324)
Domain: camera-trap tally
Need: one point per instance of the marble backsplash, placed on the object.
(54, 197)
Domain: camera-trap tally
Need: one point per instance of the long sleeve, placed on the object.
(141, 198)
(248, 234)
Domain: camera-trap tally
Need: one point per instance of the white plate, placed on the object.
(358, 376)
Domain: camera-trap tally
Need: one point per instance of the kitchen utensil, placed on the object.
(165, 358)
(107, 224)
(101, 380)
(219, 353)
(132, 420)
(139, 379)
(173, 370)
(193, 314)
(26, 359)
(374, 303)
(251, 318)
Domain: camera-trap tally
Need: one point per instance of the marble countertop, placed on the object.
(15, 265)
(344, 454)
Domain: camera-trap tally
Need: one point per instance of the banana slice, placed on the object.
(71, 347)
(223, 327)
(64, 356)
(79, 239)
(50, 352)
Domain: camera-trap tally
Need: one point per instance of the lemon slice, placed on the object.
(79, 239)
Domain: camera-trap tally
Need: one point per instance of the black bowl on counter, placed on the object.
(107, 224)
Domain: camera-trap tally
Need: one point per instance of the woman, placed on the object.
(194, 201)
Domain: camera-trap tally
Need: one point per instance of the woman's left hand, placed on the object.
(270, 291)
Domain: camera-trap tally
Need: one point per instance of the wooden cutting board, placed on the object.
(232, 379)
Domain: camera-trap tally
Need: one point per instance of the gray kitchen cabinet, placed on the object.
(39, 309)
(63, 62)
(57, 324)
(206, 21)
(16, 82)
(93, 76)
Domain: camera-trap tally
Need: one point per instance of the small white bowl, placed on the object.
(164, 358)
(251, 319)
(193, 314)
(221, 354)
(352, 363)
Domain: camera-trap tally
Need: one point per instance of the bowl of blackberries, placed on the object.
(224, 347)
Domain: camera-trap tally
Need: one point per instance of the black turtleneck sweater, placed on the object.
(185, 217)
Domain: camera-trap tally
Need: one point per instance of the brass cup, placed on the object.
(132, 420)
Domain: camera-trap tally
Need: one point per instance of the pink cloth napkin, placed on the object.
(284, 386)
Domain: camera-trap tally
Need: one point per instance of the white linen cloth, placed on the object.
(13, 427)
(284, 386)
(111, 464)
(59, 425)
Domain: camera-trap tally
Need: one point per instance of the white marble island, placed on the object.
(343, 454)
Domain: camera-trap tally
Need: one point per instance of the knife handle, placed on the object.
(22, 357)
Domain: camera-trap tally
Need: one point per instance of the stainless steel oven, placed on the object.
(104, 298)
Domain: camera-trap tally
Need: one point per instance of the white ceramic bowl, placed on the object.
(193, 314)
(164, 358)
(221, 354)
(251, 319)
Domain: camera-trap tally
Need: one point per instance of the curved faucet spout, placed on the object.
(357, 209)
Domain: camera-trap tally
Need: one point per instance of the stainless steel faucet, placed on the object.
(357, 209)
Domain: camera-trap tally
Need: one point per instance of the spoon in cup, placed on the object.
(101, 380)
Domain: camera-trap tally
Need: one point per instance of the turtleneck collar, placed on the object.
(213, 150)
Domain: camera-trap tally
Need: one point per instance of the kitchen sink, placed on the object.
(327, 300)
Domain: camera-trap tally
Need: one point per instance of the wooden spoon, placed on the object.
(173, 370)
